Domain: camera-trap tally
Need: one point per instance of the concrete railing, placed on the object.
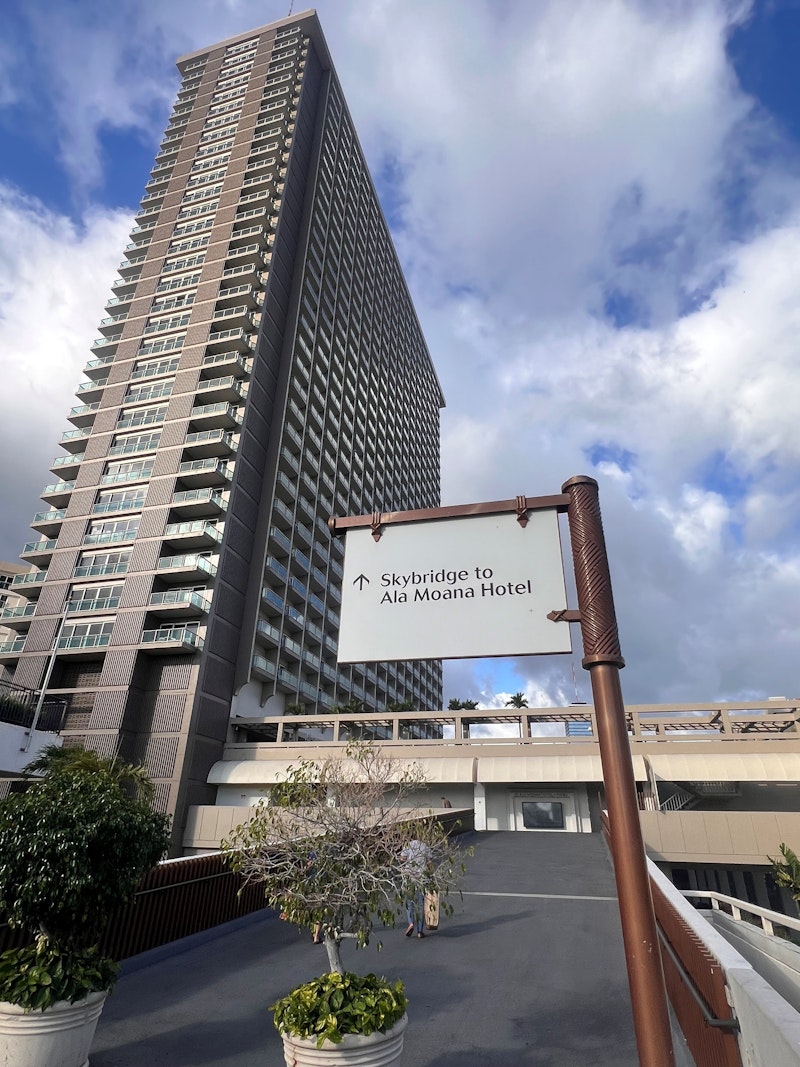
(769, 1027)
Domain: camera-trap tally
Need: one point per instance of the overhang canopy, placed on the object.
(719, 767)
(269, 772)
(548, 769)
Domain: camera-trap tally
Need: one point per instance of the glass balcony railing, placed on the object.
(103, 507)
(39, 547)
(193, 529)
(74, 435)
(10, 647)
(179, 598)
(88, 387)
(99, 570)
(173, 635)
(67, 461)
(105, 603)
(22, 612)
(31, 578)
(188, 562)
(86, 641)
(48, 517)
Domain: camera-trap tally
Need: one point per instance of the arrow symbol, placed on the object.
(360, 581)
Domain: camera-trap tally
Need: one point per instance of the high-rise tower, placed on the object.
(261, 367)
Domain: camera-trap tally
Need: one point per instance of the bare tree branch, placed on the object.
(328, 846)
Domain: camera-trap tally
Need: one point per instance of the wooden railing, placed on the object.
(695, 982)
(177, 898)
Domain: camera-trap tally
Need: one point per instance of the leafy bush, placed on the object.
(37, 976)
(73, 848)
(338, 1004)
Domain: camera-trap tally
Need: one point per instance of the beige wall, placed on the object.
(746, 837)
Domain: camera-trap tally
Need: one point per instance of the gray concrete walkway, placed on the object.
(529, 972)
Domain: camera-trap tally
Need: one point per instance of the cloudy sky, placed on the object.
(597, 205)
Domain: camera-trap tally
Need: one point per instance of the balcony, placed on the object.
(125, 285)
(173, 639)
(101, 570)
(80, 644)
(240, 315)
(73, 440)
(204, 443)
(89, 604)
(234, 295)
(98, 368)
(67, 465)
(28, 585)
(48, 522)
(182, 568)
(252, 253)
(250, 272)
(215, 416)
(38, 552)
(106, 507)
(87, 390)
(270, 634)
(11, 649)
(178, 602)
(128, 448)
(230, 363)
(217, 390)
(198, 503)
(227, 340)
(197, 534)
(18, 617)
(202, 473)
(83, 414)
(262, 667)
(133, 475)
(106, 342)
(58, 493)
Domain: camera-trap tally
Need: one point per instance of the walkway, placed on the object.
(529, 972)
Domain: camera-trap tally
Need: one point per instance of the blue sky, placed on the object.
(597, 204)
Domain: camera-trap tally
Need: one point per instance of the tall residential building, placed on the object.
(261, 368)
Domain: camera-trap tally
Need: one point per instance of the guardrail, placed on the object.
(177, 898)
(768, 919)
(695, 982)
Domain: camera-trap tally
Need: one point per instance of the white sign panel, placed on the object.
(453, 589)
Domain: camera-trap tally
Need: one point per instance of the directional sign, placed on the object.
(453, 589)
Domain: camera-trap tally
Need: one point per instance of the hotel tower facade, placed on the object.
(260, 368)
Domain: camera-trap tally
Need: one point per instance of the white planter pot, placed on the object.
(61, 1036)
(377, 1050)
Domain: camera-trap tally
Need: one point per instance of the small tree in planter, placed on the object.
(73, 847)
(328, 848)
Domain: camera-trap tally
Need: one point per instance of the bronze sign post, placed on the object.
(603, 659)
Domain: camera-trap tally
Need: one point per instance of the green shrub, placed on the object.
(37, 976)
(338, 1004)
(73, 848)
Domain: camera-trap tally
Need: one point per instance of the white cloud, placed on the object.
(543, 160)
(54, 278)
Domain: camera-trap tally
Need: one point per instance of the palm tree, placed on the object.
(462, 705)
(54, 760)
(518, 700)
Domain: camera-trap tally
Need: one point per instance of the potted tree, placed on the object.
(336, 847)
(73, 847)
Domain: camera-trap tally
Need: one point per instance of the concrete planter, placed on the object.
(61, 1036)
(377, 1050)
